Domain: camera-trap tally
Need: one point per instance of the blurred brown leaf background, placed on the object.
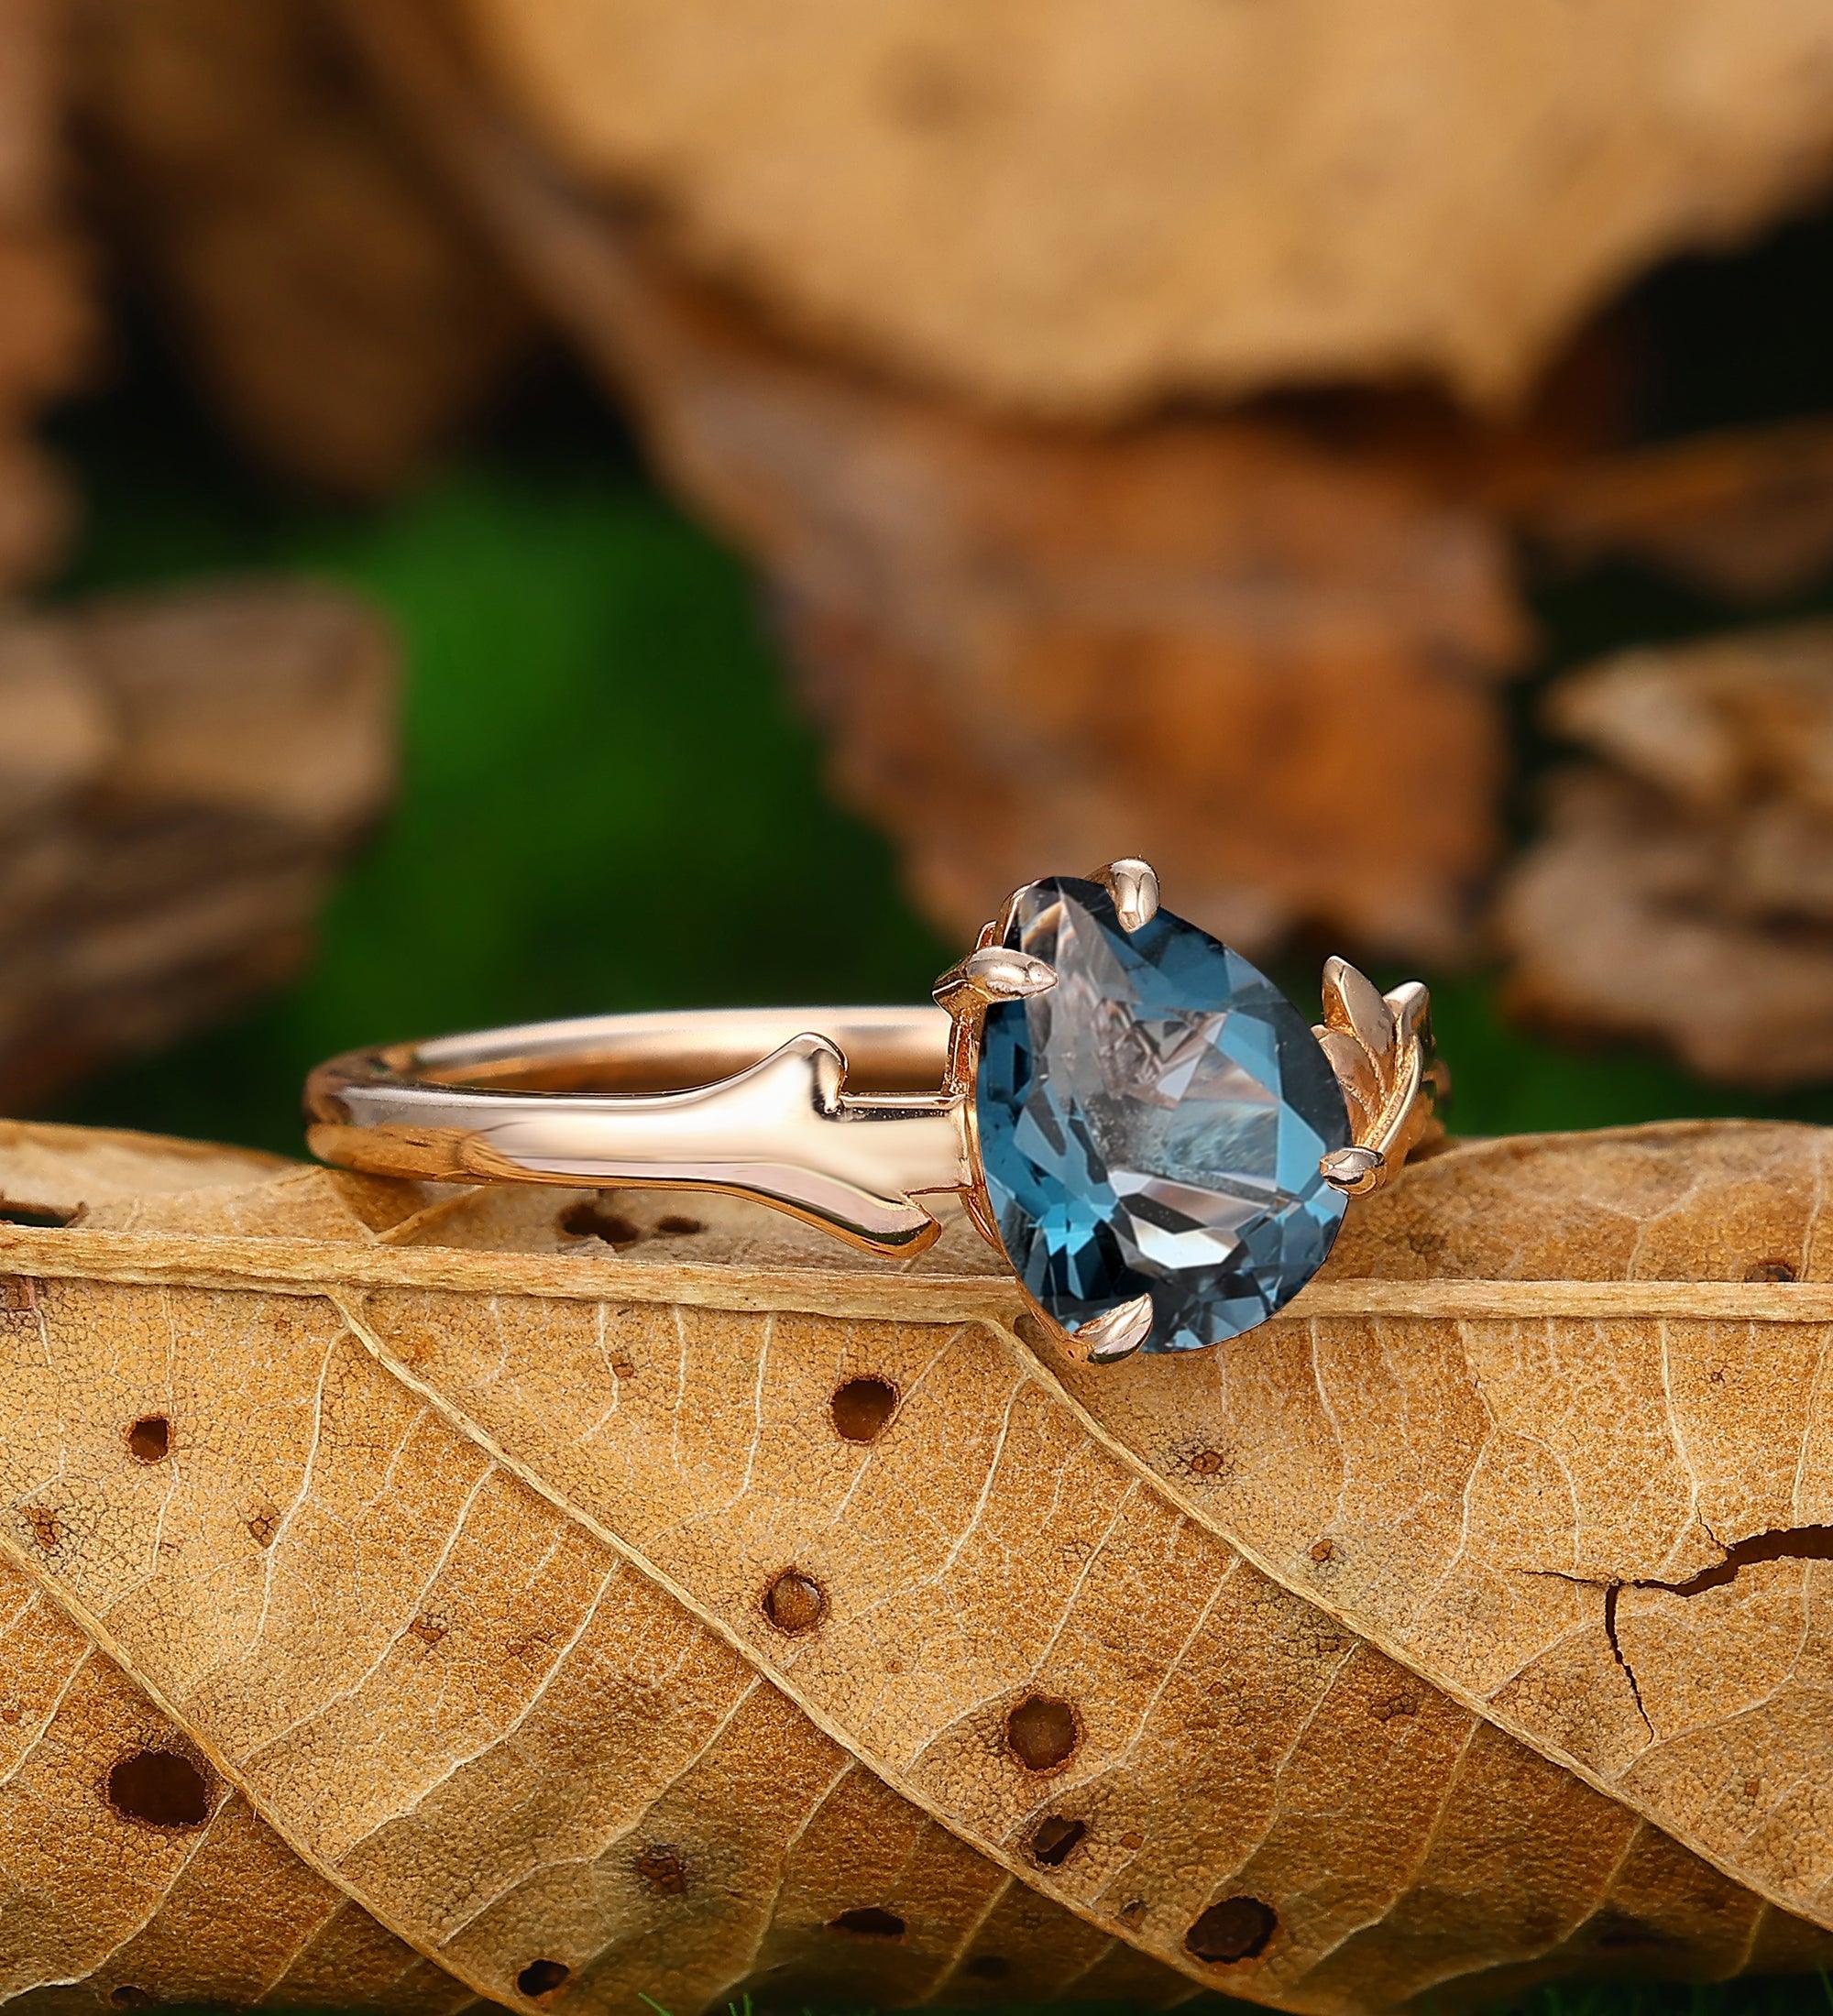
(1216, 432)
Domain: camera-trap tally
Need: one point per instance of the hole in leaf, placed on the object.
(160, 1788)
(149, 1439)
(872, 1920)
(1042, 1732)
(542, 1976)
(1236, 1929)
(591, 1219)
(1055, 1839)
(862, 1408)
(129, 1997)
(663, 1869)
(1770, 1270)
(19, 1212)
(795, 1601)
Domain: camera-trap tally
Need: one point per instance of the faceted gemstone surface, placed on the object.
(1152, 1124)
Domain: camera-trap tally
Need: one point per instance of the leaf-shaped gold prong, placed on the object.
(1355, 1073)
(1351, 999)
(995, 973)
(1117, 1333)
(1133, 885)
(1411, 1006)
(1354, 1170)
(1379, 1046)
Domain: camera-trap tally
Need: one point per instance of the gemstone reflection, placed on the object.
(1153, 1125)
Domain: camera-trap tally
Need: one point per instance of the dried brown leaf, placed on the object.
(1747, 513)
(63, 1172)
(1073, 208)
(343, 319)
(181, 777)
(1724, 725)
(1685, 893)
(1265, 662)
(45, 318)
(562, 1605)
(37, 511)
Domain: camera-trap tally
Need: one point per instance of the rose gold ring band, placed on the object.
(860, 1121)
(843, 1116)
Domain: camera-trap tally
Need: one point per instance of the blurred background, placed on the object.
(513, 507)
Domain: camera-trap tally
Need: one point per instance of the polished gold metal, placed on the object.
(856, 1120)
(757, 1104)
(994, 972)
(1106, 1338)
(1353, 1170)
(1133, 885)
(1380, 1047)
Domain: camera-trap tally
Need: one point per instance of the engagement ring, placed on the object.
(1130, 1113)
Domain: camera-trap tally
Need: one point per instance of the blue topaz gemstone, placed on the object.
(1152, 1124)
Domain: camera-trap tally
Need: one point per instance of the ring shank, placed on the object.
(840, 1115)
(887, 1050)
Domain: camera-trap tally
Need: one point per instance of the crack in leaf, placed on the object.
(1802, 1543)
(1788, 1543)
(1611, 1592)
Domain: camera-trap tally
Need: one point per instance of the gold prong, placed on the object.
(1133, 885)
(1351, 1000)
(995, 973)
(1380, 1048)
(1410, 1006)
(1355, 1073)
(1117, 1333)
(1355, 1171)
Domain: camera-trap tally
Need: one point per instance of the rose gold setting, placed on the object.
(755, 1103)
(856, 1120)
(994, 972)
(1133, 885)
(1105, 1340)
(1380, 1047)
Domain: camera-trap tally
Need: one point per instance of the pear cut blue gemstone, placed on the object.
(1152, 1124)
